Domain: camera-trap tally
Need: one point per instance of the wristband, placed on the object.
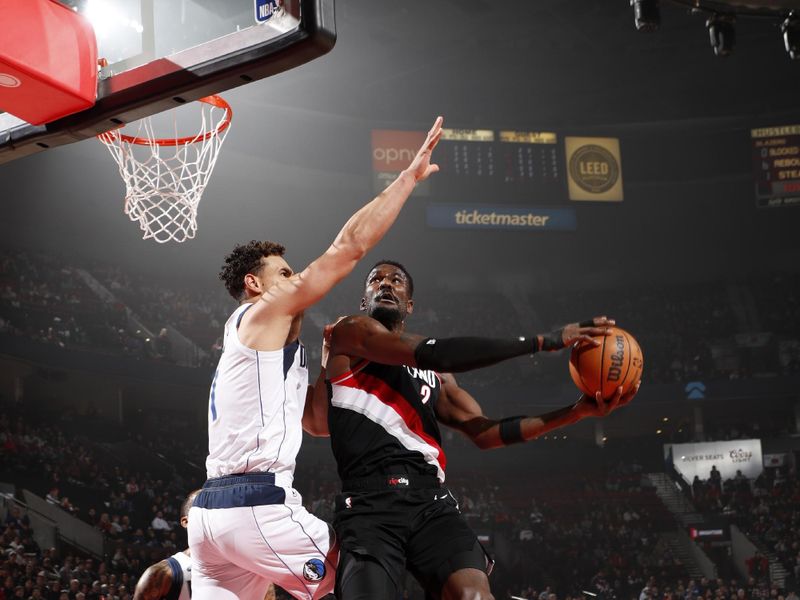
(511, 430)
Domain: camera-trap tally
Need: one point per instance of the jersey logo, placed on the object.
(314, 570)
(428, 377)
(394, 481)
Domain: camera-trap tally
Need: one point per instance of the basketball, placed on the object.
(616, 362)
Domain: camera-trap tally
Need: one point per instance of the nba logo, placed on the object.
(266, 9)
(314, 570)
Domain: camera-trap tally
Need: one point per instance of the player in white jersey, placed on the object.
(248, 526)
(171, 578)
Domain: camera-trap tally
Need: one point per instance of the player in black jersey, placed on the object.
(386, 391)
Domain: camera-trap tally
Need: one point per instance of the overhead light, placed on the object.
(646, 14)
(790, 29)
(722, 33)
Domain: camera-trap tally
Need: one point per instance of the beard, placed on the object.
(388, 316)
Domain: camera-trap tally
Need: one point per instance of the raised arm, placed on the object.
(364, 337)
(456, 408)
(154, 583)
(361, 232)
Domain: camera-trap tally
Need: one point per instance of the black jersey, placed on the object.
(382, 421)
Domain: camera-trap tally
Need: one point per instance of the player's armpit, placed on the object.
(154, 583)
(364, 337)
(457, 408)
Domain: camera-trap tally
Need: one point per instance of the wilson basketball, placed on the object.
(616, 362)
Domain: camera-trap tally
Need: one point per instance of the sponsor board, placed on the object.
(491, 216)
(728, 457)
(594, 169)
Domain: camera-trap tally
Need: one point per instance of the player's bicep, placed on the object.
(364, 337)
(461, 411)
(315, 414)
(456, 407)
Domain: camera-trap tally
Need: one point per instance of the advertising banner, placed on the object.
(594, 169)
(492, 216)
(727, 457)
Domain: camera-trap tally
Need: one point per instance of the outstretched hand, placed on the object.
(421, 166)
(595, 406)
(576, 332)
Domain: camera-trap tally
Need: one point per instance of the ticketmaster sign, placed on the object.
(492, 216)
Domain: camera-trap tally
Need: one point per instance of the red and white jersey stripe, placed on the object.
(382, 421)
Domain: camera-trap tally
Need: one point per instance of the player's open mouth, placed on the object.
(387, 298)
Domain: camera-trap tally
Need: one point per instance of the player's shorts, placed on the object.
(411, 523)
(245, 532)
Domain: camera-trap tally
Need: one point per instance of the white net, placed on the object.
(165, 178)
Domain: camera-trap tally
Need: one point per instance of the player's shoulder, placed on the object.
(358, 323)
(350, 320)
(157, 576)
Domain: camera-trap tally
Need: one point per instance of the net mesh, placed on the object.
(165, 178)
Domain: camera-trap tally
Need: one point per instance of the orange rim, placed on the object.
(217, 101)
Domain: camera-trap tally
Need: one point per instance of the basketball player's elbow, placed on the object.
(353, 245)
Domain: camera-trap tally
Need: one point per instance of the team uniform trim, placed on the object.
(374, 399)
(360, 366)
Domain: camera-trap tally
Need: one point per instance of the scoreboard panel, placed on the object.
(505, 166)
(776, 165)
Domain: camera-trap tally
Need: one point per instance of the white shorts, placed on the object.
(238, 551)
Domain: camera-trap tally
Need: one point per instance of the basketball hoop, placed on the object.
(165, 177)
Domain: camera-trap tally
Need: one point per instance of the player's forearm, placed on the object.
(367, 226)
(459, 354)
(315, 413)
(533, 427)
(515, 430)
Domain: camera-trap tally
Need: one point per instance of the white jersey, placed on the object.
(181, 565)
(255, 408)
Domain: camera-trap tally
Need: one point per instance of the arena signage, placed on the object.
(392, 151)
(594, 169)
(492, 216)
(727, 457)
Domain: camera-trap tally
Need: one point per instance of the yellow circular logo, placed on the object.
(594, 169)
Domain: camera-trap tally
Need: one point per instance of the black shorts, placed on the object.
(420, 530)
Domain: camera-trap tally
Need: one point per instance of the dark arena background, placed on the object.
(588, 168)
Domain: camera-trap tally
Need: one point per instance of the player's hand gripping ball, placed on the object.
(616, 362)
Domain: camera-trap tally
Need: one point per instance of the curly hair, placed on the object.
(394, 263)
(244, 259)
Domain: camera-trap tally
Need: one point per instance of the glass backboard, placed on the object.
(163, 53)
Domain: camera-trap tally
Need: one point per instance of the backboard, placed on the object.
(163, 53)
